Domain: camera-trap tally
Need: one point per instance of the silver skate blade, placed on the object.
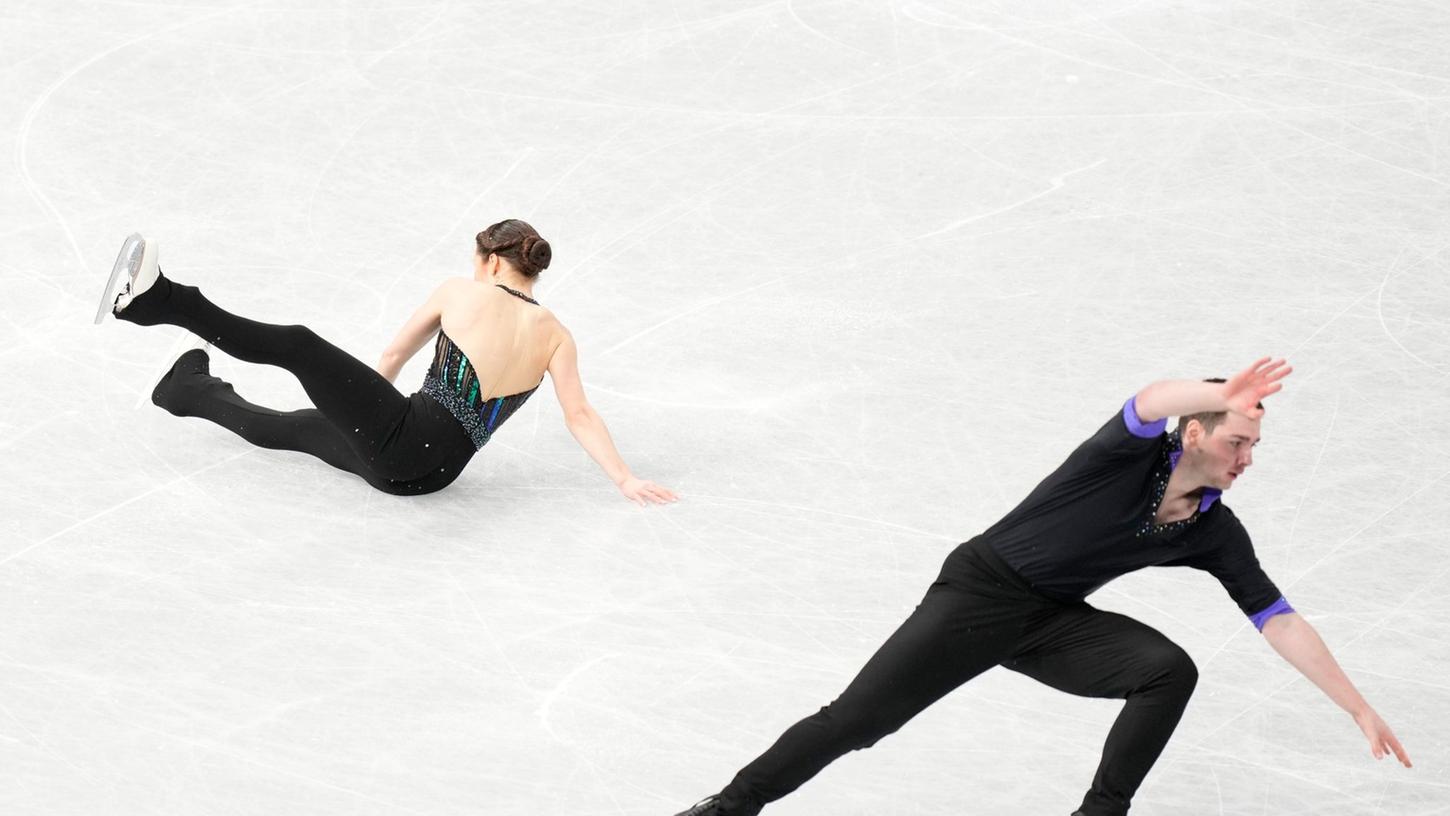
(127, 262)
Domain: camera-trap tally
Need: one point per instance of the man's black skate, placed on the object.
(709, 806)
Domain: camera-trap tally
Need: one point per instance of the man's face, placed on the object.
(1225, 454)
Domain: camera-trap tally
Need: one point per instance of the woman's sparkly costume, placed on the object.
(453, 383)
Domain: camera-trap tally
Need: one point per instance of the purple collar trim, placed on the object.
(1210, 494)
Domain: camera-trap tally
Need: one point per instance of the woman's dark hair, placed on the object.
(519, 243)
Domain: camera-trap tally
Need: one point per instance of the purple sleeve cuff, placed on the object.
(1138, 427)
(1278, 607)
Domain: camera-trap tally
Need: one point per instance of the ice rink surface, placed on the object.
(852, 277)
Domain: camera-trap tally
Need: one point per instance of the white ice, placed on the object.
(850, 276)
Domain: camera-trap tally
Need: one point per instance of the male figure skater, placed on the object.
(1129, 497)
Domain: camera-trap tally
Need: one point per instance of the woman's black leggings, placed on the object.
(979, 614)
(361, 423)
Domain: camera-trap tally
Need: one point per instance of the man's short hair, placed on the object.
(1208, 419)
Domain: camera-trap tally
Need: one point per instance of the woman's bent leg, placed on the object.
(190, 390)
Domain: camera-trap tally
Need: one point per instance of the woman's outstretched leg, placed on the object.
(354, 398)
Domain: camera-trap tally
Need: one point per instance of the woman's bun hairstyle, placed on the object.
(536, 252)
(519, 244)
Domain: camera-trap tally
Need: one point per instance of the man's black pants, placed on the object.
(978, 614)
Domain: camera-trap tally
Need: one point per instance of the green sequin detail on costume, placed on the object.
(459, 392)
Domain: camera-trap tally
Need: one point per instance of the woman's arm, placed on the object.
(422, 325)
(588, 427)
(1241, 394)
(1298, 643)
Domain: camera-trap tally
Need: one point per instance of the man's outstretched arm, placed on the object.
(1240, 394)
(1298, 643)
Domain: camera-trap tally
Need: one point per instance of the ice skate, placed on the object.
(709, 806)
(135, 272)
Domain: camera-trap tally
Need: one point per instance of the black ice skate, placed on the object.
(709, 806)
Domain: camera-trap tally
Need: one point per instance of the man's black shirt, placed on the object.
(1091, 521)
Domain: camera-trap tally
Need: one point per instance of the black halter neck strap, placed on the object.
(516, 293)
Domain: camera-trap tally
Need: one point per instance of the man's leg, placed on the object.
(1092, 653)
(953, 636)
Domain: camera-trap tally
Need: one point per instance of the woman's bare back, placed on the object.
(508, 340)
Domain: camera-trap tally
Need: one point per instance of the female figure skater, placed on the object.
(1129, 497)
(494, 343)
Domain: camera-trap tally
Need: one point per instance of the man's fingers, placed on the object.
(1271, 368)
(1399, 750)
(1277, 370)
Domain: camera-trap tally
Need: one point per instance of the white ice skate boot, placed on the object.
(138, 260)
